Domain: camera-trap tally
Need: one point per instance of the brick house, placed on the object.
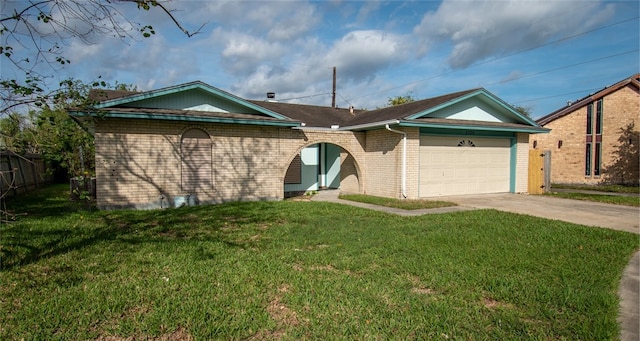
(196, 143)
(595, 139)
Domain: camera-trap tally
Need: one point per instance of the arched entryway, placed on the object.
(321, 166)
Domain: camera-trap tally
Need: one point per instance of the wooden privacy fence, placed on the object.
(19, 174)
(539, 171)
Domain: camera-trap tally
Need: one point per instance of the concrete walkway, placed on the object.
(588, 213)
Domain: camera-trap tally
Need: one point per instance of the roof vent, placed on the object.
(271, 97)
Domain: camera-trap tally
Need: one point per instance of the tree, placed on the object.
(400, 100)
(624, 168)
(524, 110)
(33, 38)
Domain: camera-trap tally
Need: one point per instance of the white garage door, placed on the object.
(463, 165)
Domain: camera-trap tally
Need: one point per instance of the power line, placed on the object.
(562, 67)
(560, 95)
(499, 58)
(301, 97)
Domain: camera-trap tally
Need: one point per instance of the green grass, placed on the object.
(303, 270)
(609, 199)
(409, 204)
(601, 188)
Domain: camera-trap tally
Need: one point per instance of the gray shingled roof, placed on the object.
(320, 116)
(101, 95)
(398, 112)
(311, 115)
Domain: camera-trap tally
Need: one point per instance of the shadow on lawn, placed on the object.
(71, 227)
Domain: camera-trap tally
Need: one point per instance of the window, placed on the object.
(599, 118)
(593, 139)
(294, 172)
(590, 119)
(587, 158)
(597, 159)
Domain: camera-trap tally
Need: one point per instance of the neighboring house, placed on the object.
(595, 139)
(196, 142)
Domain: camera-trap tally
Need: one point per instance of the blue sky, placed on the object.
(539, 54)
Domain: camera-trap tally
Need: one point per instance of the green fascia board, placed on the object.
(466, 132)
(513, 159)
(472, 127)
(185, 87)
(184, 118)
(479, 92)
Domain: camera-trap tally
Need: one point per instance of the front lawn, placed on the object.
(303, 270)
(600, 188)
(605, 198)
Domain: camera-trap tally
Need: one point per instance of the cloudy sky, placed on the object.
(538, 54)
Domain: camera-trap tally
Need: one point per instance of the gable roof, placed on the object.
(406, 110)
(141, 105)
(311, 115)
(430, 112)
(633, 81)
(420, 114)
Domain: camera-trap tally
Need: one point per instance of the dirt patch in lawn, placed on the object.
(179, 334)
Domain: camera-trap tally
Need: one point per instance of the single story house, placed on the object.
(196, 143)
(596, 138)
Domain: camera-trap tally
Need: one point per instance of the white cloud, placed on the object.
(360, 54)
(481, 29)
(272, 20)
(242, 53)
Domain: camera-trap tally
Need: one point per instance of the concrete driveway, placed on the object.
(617, 217)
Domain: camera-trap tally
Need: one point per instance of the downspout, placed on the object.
(404, 158)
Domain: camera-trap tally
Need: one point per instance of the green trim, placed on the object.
(185, 87)
(443, 105)
(466, 132)
(513, 163)
(186, 118)
(472, 127)
(479, 92)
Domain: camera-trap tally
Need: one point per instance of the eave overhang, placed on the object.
(471, 126)
(481, 93)
(181, 118)
(185, 87)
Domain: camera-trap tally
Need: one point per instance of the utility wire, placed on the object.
(301, 97)
(498, 58)
(560, 95)
(563, 67)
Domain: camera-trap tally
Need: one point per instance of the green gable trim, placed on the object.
(453, 126)
(185, 87)
(443, 105)
(183, 118)
(480, 92)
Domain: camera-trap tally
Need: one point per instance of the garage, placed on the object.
(458, 165)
